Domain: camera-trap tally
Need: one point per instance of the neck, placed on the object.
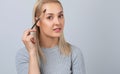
(48, 42)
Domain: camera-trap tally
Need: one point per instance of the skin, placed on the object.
(51, 19)
(51, 26)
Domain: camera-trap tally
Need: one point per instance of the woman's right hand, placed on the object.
(30, 41)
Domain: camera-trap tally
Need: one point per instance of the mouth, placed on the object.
(57, 30)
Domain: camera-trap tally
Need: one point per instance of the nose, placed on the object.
(56, 21)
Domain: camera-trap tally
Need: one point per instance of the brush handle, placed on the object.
(35, 23)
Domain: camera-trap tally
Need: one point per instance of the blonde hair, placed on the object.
(63, 45)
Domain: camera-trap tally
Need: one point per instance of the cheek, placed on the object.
(47, 26)
(62, 23)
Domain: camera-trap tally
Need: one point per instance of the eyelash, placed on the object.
(60, 16)
(51, 17)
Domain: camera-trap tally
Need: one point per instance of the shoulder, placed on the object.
(22, 60)
(77, 60)
(22, 54)
(76, 53)
(22, 51)
(75, 49)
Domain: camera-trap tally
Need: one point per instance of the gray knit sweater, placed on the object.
(55, 62)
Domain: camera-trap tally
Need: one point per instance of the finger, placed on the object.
(27, 33)
(33, 40)
(27, 39)
(30, 38)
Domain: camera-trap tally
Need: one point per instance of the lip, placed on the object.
(57, 29)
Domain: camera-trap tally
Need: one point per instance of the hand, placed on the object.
(30, 41)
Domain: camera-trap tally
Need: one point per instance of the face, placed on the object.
(51, 22)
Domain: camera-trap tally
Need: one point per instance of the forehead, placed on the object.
(52, 7)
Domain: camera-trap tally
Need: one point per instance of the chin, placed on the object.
(57, 35)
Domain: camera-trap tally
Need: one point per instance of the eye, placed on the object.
(60, 16)
(49, 17)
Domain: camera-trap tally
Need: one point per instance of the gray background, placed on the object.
(92, 25)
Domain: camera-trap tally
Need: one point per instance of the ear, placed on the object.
(38, 23)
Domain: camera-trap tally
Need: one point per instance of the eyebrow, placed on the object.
(52, 13)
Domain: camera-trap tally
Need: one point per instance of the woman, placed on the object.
(46, 51)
